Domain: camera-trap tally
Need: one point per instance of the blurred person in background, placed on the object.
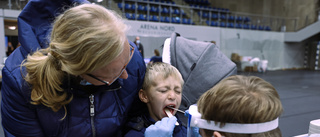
(139, 45)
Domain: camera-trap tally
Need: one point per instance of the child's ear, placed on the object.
(143, 96)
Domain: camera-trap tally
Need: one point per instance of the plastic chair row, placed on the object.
(129, 6)
(175, 20)
(143, 17)
(238, 25)
(201, 7)
(153, 9)
(224, 17)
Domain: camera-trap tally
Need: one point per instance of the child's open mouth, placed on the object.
(168, 108)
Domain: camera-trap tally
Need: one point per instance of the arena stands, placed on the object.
(200, 12)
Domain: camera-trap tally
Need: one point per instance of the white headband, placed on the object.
(196, 121)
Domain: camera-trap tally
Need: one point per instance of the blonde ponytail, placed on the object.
(45, 76)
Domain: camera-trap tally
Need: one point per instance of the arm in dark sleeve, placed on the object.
(18, 117)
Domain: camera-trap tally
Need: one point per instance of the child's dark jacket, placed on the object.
(138, 125)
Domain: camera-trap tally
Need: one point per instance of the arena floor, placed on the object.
(299, 92)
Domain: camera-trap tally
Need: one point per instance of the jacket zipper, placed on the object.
(91, 97)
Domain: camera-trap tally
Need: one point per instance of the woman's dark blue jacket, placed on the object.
(111, 107)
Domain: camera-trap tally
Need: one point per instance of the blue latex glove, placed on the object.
(186, 113)
(163, 128)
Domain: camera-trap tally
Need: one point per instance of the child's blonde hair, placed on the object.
(241, 99)
(84, 38)
(160, 69)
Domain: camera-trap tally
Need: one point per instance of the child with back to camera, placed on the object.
(244, 100)
(162, 88)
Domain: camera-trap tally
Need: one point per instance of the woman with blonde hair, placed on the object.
(240, 102)
(82, 84)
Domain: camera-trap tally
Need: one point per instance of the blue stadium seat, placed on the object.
(128, 15)
(167, 19)
(165, 10)
(150, 18)
(133, 16)
(205, 14)
(127, 6)
(140, 7)
(164, 19)
(230, 25)
(247, 19)
(254, 27)
(222, 24)
(207, 22)
(214, 16)
(261, 27)
(239, 25)
(175, 20)
(246, 26)
(133, 7)
(154, 9)
(161, 18)
(231, 18)
(222, 16)
(143, 8)
(142, 17)
(239, 18)
(155, 18)
(120, 6)
(176, 11)
(186, 21)
(212, 23)
(267, 28)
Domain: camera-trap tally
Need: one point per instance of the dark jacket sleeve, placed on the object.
(18, 117)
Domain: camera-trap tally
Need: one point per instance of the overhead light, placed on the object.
(99, 0)
(12, 27)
